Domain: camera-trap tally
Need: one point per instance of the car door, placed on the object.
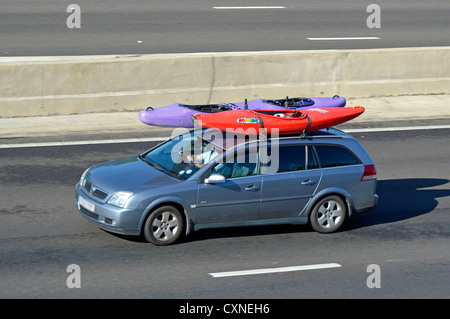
(286, 192)
(236, 200)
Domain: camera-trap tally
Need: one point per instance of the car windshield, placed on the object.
(185, 154)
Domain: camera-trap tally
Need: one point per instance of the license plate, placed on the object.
(88, 205)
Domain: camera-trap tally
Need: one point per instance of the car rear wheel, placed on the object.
(328, 214)
(164, 226)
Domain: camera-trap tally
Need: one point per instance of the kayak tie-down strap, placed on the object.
(307, 127)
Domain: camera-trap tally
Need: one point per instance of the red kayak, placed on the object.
(286, 121)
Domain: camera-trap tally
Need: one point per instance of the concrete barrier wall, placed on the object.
(74, 85)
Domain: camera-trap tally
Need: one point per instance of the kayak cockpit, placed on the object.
(293, 102)
(208, 108)
(283, 114)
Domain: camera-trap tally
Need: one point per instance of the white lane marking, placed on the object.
(93, 142)
(272, 270)
(163, 138)
(249, 7)
(343, 38)
(393, 129)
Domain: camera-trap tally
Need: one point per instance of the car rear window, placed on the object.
(332, 156)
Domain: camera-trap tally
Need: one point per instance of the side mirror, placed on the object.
(215, 178)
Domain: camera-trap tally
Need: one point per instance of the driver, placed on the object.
(204, 158)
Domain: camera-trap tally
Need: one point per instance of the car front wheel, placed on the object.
(328, 214)
(164, 226)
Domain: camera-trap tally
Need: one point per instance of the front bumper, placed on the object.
(108, 217)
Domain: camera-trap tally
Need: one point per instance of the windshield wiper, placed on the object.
(159, 167)
(174, 175)
(151, 163)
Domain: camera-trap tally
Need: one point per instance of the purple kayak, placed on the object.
(179, 115)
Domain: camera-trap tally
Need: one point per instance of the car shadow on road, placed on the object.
(401, 199)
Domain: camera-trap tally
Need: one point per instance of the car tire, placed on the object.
(164, 226)
(328, 214)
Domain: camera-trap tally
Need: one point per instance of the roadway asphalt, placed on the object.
(42, 233)
(38, 27)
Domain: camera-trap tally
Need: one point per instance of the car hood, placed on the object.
(129, 174)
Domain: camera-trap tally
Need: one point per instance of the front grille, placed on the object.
(99, 193)
(94, 190)
(87, 185)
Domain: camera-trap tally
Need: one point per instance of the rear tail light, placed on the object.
(370, 173)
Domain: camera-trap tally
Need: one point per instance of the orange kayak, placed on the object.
(282, 122)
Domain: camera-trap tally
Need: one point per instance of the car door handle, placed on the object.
(251, 188)
(308, 182)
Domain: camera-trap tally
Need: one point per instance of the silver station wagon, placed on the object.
(210, 179)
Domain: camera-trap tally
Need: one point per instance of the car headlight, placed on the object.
(120, 199)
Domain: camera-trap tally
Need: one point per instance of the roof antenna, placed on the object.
(245, 105)
(286, 102)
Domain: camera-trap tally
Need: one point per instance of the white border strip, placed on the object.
(93, 142)
(249, 7)
(343, 38)
(163, 138)
(272, 270)
(393, 129)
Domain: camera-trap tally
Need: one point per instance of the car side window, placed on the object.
(333, 156)
(291, 158)
(240, 165)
